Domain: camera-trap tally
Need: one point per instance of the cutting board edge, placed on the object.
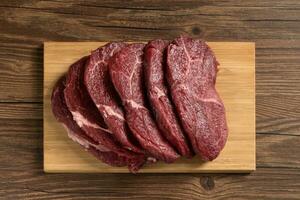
(217, 171)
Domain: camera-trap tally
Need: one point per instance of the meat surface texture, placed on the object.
(103, 94)
(191, 75)
(126, 70)
(158, 96)
(131, 104)
(64, 116)
(86, 115)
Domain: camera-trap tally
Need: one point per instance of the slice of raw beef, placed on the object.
(64, 116)
(102, 92)
(126, 70)
(154, 61)
(88, 118)
(191, 74)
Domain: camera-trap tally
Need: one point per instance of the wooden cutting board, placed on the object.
(236, 86)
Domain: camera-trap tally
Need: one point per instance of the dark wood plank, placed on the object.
(285, 106)
(21, 136)
(265, 183)
(22, 111)
(278, 150)
(21, 145)
(279, 114)
(278, 71)
(21, 77)
(88, 21)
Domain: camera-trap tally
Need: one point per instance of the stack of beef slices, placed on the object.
(136, 104)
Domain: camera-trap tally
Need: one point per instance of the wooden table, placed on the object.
(273, 25)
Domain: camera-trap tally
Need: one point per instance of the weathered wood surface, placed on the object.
(273, 25)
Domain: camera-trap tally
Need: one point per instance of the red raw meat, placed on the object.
(103, 94)
(158, 96)
(86, 115)
(126, 70)
(64, 116)
(191, 74)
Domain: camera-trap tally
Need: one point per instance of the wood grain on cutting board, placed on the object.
(235, 84)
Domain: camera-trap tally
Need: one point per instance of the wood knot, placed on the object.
(196, 31)
(207, 182)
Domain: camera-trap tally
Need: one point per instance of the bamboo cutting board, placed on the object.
(235, 84)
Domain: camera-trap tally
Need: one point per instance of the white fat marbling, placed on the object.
(108, 111)
(82, 121)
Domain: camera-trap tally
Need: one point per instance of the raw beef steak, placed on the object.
(102, 92)
(86, 114)
(158, 96)
(64, 116)
(126, 70)
(191, 74)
